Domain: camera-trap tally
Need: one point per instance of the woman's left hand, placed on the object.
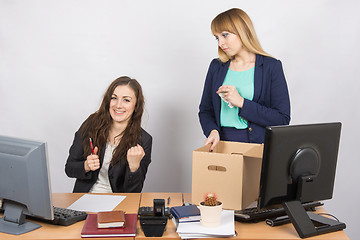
(231, 95)
(134, 156)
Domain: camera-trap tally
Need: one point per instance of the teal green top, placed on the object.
(244, 83)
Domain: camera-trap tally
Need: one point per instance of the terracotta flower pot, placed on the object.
(210, 215)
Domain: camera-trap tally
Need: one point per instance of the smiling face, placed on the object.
(229, 43)
(122, 104)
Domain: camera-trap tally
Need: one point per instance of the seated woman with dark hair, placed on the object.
(122, 149)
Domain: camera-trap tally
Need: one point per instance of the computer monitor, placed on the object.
(24, 184)
(299, 163)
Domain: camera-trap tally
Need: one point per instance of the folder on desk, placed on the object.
(189, 213)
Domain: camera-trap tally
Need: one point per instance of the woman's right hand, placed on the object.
(213, 139)
(92, 162)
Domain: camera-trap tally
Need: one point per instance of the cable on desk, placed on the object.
(330, 215)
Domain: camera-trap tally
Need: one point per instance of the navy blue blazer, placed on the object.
(270, 105)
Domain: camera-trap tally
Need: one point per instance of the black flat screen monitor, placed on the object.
(24, 184)
(299, 164)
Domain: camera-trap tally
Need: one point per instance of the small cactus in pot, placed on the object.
(210, 210)
(210, 199)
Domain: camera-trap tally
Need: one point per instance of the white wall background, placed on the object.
(58, 57)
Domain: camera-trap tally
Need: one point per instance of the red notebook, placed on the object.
(90, 228)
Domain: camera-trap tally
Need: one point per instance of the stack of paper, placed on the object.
(196, 230)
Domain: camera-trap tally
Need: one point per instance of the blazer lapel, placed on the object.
(221, 75)
(258, 77)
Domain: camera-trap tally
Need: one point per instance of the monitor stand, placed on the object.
(309, 224)
(13, 221)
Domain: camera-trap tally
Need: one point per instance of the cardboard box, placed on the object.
(232, 171)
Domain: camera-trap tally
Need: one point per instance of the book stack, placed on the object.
(110, 224)
(187, 230)
(183, 214)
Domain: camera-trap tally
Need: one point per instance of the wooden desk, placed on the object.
(48, 231)
(245, 231)
(262, 231)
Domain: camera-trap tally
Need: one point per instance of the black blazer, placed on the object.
(120, 177)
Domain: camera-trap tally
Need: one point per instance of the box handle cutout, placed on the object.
(237, 153)
(216, 168)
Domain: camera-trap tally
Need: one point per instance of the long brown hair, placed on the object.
(236, 21)
(98, 124)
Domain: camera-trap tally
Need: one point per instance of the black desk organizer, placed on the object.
(154, 226)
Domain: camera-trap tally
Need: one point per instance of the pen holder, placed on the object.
(153, 226)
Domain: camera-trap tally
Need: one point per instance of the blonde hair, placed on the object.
(236, 21)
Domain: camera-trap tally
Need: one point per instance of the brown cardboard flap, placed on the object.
(205, 148)
(256, 151)
(241, 154)
(251, 183)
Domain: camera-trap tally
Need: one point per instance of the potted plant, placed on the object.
(210, 210)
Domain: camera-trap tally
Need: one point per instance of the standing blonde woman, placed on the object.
(245, 88)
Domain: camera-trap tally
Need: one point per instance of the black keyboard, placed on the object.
(255, 215)
(63, 217)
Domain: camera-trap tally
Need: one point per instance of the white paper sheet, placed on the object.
(196, 230)
(96, 203)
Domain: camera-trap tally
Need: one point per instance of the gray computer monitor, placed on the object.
(24, 184)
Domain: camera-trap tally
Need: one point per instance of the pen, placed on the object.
(91, 145)
(168, 200)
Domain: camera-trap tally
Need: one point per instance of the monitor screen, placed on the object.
(299, 164)
(24, 184)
